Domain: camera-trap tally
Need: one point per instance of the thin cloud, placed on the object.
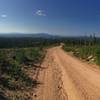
(40, 13)
(3, 15)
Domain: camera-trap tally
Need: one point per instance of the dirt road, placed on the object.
(66, 78)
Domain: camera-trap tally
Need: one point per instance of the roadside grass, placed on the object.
(13, 76)
(89, 53)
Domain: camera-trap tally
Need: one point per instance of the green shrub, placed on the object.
(68, 49)
(98, 59)
(20, 56)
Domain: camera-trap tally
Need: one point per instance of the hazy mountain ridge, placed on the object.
(22, 35)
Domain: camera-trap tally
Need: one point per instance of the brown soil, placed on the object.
(64, 77)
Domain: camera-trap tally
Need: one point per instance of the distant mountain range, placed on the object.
(28, 35)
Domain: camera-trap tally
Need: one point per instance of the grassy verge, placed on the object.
(17, 66)
(89, 53)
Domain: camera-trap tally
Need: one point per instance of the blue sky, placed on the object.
(63, 17)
